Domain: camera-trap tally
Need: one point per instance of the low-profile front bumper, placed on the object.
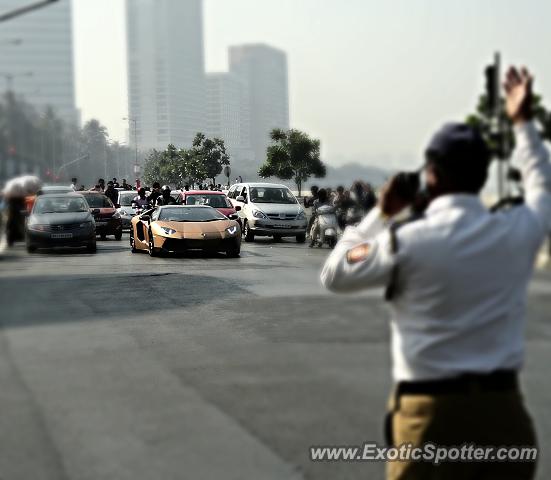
(182, 245)
(283, 228)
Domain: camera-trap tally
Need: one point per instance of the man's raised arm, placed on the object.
(530, 151)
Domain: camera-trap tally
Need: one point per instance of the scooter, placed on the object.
(328, 226)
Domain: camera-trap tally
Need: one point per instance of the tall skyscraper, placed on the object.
(263, 71)
(36, 52)
(166, 72)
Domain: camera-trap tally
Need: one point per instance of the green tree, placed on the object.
(211, 153)
(293, 155)
(504, 144)
(174, 167)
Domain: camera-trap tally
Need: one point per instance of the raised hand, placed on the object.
(518, 89)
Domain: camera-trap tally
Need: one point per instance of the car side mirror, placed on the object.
(240, 199)
(95, 211)
(145, 218)
(233, 216)
(237, 208)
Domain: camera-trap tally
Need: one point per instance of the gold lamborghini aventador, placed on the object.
(178, 229)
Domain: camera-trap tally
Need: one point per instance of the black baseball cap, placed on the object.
(456, 145)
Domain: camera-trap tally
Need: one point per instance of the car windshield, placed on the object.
(125, 199)
(190, 214)
(272, 195)
(213, 200)
(60, 205)
(98, 201)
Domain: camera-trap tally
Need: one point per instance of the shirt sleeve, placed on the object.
(536, 172)
(338, 275)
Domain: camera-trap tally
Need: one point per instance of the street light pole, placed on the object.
(134, 121)
(29, 8)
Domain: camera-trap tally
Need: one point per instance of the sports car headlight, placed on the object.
(259, 214)
(168, 231)
(301, 216)
(232, 230)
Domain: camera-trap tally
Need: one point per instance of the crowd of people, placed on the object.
(150, 196)
(350, 205)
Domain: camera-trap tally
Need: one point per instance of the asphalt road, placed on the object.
(120, 366)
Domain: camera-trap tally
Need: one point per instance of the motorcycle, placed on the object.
(327, 226)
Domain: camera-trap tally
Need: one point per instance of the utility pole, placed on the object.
(497, 127)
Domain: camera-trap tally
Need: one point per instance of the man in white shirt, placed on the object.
(458, 278)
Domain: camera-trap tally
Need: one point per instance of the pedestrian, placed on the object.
(115, 183)
(126, 185)
(74, 183)
(101, 183)
(456, 279)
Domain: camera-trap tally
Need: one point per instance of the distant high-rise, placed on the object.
(223, 107)
(263, 72)
(166, 72)
(36, 52)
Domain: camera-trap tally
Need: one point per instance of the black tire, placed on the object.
(133, 248)
(103, 236)
(301, 238)
(247, 232)
(31, 249)
(332, 242)
(92, 247)
(151, 246)
(118, 236)
(234, 251)
(278, 238)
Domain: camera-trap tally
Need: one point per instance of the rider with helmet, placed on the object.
(165, 198)
(141, 202)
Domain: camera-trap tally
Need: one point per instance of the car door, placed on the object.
(142, 230)
(241, 191)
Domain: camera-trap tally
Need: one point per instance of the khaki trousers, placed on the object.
(481, 418)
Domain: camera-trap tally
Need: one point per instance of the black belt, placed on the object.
(498, 381)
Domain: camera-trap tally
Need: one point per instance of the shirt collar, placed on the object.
(463, 201)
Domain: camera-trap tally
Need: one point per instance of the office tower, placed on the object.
(36, 52)
(263, 73)
(166, 73)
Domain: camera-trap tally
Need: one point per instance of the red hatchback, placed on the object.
(213, 199)
(108, 220)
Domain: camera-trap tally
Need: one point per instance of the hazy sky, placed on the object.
(371, 79)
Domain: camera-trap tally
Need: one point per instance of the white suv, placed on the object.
(268, 210)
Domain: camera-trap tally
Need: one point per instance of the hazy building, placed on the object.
(226, 109)
(166, 73)
(263, 72)
(223, 107)
(36, 52)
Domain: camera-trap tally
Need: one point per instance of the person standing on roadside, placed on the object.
(457, 279)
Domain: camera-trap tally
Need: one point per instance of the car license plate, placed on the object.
(282, 225)
(101, 224)
(62, 235)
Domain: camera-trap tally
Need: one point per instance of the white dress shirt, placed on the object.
(463, 274)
